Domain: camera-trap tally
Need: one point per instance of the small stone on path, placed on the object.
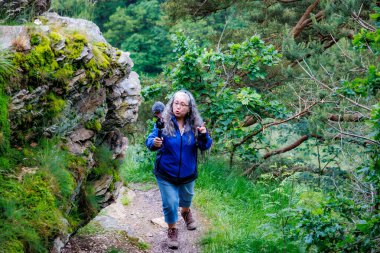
(159, 221)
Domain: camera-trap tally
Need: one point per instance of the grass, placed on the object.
(242, 213)
(138, 165)
(239, 210)
(92, 228)
(125, 201)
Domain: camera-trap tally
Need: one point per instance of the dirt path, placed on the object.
(134, 223)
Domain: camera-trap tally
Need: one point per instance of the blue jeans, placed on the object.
(173, 196)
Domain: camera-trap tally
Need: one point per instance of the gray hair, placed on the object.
(192, 119)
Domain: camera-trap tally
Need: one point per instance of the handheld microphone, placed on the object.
(157, 109)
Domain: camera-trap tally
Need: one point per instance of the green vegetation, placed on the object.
(289, 92)
(241, 212)
(35, 194)
(125, 200)
(137, 166)
(6, 71)
(94, 124)
(139, 31)
(75, 8)
(92, 228)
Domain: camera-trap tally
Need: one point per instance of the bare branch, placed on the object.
(362, 23)
(347, 117)
(306, 110)
(221, 36)
(355, 135)
(287, 1)
(311, 75)
(287, 148)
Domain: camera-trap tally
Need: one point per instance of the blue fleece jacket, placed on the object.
(176, 160)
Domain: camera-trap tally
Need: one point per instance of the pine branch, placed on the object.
(311, 75)
(304, 20)
(306, 110)
(263, 127)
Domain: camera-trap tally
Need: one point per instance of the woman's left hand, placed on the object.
(202, 129)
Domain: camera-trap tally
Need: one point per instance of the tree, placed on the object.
(137, 29)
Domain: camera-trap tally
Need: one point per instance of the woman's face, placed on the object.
(181, 105)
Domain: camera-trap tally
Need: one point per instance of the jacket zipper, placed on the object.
(180, 158)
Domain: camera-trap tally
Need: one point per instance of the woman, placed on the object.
(176, 161)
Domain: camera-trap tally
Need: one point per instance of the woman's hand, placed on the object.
(202, 129)
(157, 142)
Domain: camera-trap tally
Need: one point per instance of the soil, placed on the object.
(134, 223)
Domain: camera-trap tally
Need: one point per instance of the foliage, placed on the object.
(351, 222)
(6, 67)
(75, 8)
(6, 71)
(105, 164)
(364, 87)
(29, 213)
(136, 28)
(138, 165)
(4, 124)
(94, 124)
(222, 81)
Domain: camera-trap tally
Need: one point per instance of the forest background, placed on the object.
(289, 91)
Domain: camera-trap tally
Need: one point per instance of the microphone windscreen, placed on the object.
(158, 107)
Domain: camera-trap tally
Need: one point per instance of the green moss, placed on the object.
(74, 45)
(100, 62)
(43, 20)
(39, 63)
(102, 59)
(55, 37)
(55, 105)
(35, 39)
(65, 73)
(92, 70)
(94, 125)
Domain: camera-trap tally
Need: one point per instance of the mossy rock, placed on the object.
(94, 125)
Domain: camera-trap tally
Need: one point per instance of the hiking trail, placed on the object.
(134, 223)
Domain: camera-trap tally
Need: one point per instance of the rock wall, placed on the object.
(71, 83)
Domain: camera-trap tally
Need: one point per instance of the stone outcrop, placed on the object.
(71, 83)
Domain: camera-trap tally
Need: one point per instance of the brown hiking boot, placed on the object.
(189, 220)
(173, 238)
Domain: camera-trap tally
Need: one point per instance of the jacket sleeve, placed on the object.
(204, 141)
(149, 141)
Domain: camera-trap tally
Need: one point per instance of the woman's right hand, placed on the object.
(157, 142)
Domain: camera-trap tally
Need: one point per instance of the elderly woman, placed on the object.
(176, 162)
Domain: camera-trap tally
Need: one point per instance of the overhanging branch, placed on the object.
(249, 136)
(305, 20)
(311, 75)
(287, 148)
